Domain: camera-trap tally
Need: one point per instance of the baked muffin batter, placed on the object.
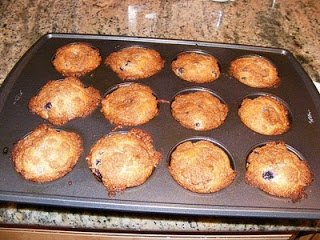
(199, 110)
(60, 101)
(264, 115)
(277, 171)
(123, 160)
(201, 167)
(46, 154)
(135, 63)
(255, 71)
(130, 105)
(76, 59)
(196, 67)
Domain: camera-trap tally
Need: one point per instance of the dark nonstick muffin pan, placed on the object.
(160, 193)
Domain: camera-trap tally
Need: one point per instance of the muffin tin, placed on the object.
(161, 194)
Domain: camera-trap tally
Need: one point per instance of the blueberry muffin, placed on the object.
(277, 171)
(199, 110)
(196, 67)
(255, 71)
(46, 154)
(60, 101)
(130, 105)
(264, 115)
(135, 63)
(123, 160)
(76, 59)
(201, 167)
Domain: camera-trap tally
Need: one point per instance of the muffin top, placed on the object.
(46, 154)
(255, 71)
(196, 67)
(201, 167)
(264, 115)
(130, 105)
(135, 63)
(277, 171)
(199, 110)
(123, 160)
(60, 101)
(76, 59)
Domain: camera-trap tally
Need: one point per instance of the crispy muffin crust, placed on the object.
(264, 115)
(255, 71)
(130, 105)
(60, 101)
(76, 59)
(123, 160)
(199, 110)
(201, 167)
(135, 63)
(277, 171)
(46, 154)
(196, 67)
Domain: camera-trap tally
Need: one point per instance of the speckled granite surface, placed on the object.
(71, 218)
(291, 24)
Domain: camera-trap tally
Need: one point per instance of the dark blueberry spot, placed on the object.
(197, 124)
(243, 78)
(98, 161)
(5, 150)
(48, 105)
(268, 175)
(122, 68)
(214, 74)
(180, 70)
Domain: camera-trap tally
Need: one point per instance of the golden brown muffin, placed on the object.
(130, 105)
(123, 160)
(46, 154)
(199, 110)
(277, 171)
(201, 167)
(134, 63)
(60, 101)
(196, 67)
(264, 115)
(255, 71)
(76, 59)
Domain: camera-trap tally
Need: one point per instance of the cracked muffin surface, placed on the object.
(135, 63)
(277, 171)
(46, 154)
(123, 160)
(201, 167)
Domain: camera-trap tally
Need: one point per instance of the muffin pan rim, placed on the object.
(163, 207)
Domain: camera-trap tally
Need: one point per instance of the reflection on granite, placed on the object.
(103, 220)
(291, 24)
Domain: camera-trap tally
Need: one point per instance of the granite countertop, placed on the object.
(293, 25)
